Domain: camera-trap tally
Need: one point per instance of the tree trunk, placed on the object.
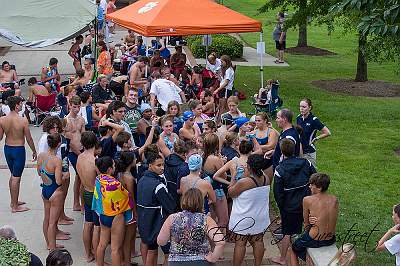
(302, 40)
(362, 67)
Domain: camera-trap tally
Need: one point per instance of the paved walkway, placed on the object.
(251, 59)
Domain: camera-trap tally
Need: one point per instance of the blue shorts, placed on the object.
(108, 220)
(306, 241)
(91, 216)
(15, 157)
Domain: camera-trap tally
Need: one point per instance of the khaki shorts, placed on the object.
(312, 157)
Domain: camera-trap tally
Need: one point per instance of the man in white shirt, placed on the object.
(164, 91)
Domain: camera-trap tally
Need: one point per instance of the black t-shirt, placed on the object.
(108, 147)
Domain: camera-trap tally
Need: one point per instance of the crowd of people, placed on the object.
(163, 149)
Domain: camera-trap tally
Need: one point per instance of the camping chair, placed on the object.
(270, 107)
(44, 106)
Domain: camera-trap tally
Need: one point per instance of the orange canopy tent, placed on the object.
(182, 17)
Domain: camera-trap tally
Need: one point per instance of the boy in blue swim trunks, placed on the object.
(16, 129)
(320, 211)
(86, 169)
(74, 126)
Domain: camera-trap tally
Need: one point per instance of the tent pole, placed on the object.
(147, 54)
(261, 62)
(94, 52)
(206, 52)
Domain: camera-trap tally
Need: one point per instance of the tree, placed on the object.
(383, 25)
(374, 20)
(305, 11)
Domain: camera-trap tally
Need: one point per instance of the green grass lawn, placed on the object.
(359, 155)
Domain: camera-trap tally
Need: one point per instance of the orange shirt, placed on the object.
(104, 61)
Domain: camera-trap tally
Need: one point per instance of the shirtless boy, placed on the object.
(88, 68)
(8, 75)
(74, 126)
(137, 72)
(50, 74)
(87, 173)
(17, 130)
(320, 211)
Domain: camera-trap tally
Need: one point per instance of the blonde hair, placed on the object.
(264, 116)
(233, 99)
(230, 138)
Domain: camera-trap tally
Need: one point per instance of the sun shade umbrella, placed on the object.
(40, 23)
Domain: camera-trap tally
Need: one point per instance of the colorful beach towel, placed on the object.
(110, 197)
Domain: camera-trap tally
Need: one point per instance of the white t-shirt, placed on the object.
(165, 91)
(393, 246)
(229, 75)
(214, 68)
(43, 146)
(103, 5)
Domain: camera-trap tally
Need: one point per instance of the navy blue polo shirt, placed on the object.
(310, 126)
(291, 134)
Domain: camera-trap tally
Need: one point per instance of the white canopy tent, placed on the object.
(40, 23)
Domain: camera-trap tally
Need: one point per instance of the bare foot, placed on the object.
(66, 218)
(19, 209)
(62, 237)
(64, 222)
(77, 208)
(278, 260)
(57, 246)
(135, 254)
(19, 203)
(90, 258)
(63, 232)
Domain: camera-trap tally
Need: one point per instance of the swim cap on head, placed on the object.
(241, 121)
(195, 162)
(187, 115)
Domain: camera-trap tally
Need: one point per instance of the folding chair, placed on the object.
(272, 106)
(44, 106)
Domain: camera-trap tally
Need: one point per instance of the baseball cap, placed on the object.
(187, 115)
(240, 121)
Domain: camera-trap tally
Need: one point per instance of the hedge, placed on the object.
(222, 44)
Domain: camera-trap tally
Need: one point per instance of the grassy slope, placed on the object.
(359, 156)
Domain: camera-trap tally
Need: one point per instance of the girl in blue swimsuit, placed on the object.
(49, 168)
(265, 135)
(167, 137)
(213, 162)
(199, 118)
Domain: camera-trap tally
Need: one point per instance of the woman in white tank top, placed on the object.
(250, 210)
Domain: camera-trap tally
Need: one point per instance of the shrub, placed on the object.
(221, 44)
(13, 253)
